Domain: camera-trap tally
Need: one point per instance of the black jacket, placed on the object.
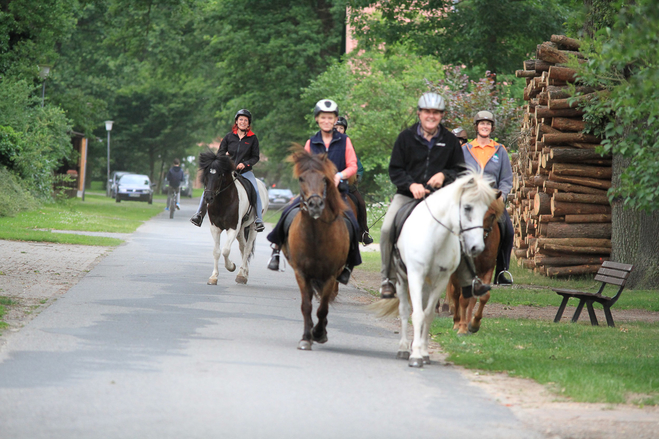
(412, 161)
(245, 150)
(175, 176)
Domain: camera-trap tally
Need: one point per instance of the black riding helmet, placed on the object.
(245, 113)
(343, 122)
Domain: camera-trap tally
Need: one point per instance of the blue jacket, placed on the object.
(498, 167)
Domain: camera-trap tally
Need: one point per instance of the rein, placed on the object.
(459, 234)
(220, 189)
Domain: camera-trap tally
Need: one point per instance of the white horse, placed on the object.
(430, 249)
(228, 207)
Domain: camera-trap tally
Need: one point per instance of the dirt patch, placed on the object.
(534, 404)
(34, 274)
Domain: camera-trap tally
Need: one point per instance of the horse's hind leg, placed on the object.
(475, 324)
(404, 315)
(462, 314)
(226, 250)
(216, 233)
(429, 311)
(319, 332)
(306, 293)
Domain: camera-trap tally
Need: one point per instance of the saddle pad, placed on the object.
(288, 219)
(401, 216)
(249, 187)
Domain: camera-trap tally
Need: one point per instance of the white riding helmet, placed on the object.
(431, 101)
(326, 106)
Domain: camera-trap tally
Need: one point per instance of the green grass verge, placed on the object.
(586, 363)
(4, 302)
(96, 214)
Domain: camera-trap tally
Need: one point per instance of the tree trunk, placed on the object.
(568, 187)
(561, 209)
(562, 261)
(568, 124)
(582, 198)
(574, 270)
(635, 238)
(594, 218)
(579, 230)
(590, 182)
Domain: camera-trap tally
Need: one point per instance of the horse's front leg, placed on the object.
(429, 312)
(216, 233)
(462, 311)
(306, 293)
(246, 246)
(404, 316)
(475, 324)
(415, 284)
(319, 332)
(226, 250)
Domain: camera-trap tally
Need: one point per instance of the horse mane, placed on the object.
(303, 162)
(498, 207)
(480, 191)
(222, 163)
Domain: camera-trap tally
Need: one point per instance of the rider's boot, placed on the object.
(274, 259)
(481, 289)
(387, 289)
(344, 277)
(366, 238)
(198, 217)
(259, 225)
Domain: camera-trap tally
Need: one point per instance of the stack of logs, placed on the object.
(559, 207)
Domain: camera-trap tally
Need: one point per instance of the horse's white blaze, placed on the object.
(432, 253)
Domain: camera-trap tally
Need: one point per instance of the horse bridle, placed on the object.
(304, 203)
(459, 234)
(220, 190)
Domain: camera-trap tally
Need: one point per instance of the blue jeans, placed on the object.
(259, 207)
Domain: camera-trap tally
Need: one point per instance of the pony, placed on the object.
(428, 250)
(318, 240)
(484, 265)
(229, 210)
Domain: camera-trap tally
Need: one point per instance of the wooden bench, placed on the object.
(609, 273)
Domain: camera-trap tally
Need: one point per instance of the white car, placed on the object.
(135, 187)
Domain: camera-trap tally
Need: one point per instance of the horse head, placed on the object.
(475, 197)
(214, 167)
(315, 173)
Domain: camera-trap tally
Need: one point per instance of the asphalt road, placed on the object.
(143, 348)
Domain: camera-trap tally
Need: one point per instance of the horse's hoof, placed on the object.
(426, 359)
(304, 345)
(445, 307)
(232, 269)
(321, 340)
(473, 329)
(403, 355)
(241, 280)
(211, 282)
(415, 362)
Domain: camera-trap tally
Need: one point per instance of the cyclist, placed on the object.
(175, 177)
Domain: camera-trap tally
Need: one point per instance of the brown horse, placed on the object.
(484, 264)
(318, 240)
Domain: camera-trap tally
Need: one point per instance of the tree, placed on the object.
(624, 59)
(495, 35)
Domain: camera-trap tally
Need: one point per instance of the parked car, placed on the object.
(136, 187)
(186, 187)
(279, 197)
(112, 183)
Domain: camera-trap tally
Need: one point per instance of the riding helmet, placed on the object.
(484, 115)
(326, 106)
(431, 101)
(245, 113)
(342, 121)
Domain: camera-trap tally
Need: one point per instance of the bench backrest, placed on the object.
(613, 273)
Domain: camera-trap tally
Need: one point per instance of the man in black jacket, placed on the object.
(426, 154)
(175, 177)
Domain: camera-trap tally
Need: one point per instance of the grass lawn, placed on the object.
(96, 214)
(586, 363)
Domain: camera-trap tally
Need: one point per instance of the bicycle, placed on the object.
(172, 198)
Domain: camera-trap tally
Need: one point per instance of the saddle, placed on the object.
(251, 194)
(400, 218)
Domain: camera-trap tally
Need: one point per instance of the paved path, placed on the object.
(143, 348)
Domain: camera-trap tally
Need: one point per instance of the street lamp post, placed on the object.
(43, 73)
(108, 127)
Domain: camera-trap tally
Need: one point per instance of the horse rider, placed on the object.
(340, 151)
(242, 145)
(461, 134)
(424, 155)
(490, 157)
(175, 177)
(341, 126)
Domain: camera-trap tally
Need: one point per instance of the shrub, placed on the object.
(13, 197)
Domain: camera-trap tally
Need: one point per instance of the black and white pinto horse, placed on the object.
(229, 210)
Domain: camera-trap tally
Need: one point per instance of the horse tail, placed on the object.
(385, 308)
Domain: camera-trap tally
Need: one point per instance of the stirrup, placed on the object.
(367, 238)
(506, 281)
(478, 284)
